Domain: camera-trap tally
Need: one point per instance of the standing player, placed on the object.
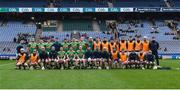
(21, 59)
(116, 41)
(53, 57)
(138, 45)
(33, 60)
(65, 45)
(82, 43)
(32, 46)
(61, 58)
(90, 42)
(154, 46)
(145, 45)
(112, 45)
(48, 46)
(115, 58)
(105, 44)
(130, 44)
(97, 44)
(123, 44)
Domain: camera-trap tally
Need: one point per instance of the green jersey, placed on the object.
(48, 46)
(65, 46)
(80, 53)
(71, 54)
(32, 47)
(61, 54)
(83, 44)
(74, 45)
(90, 44)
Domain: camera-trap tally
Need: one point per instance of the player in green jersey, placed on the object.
(48, 45)
(81, 57)
(70, 56)
(32, 46)
(65, 45)
(74, 44)
(61, 58)
(90, 42)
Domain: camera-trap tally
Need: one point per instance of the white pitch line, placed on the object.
(6, 64)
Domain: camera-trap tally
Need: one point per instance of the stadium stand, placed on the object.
(22, 3)
(15, 27)
(77, 25)
(138, 3)
(86, 3)
(86, 29)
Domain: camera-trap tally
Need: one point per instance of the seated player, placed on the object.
(81, 58)
(61, 58)
(33, 59)
(97, 58)
(89, 57)
(105, 58)
(150, 60)
(115, 58)
(70, 57)
(21, 59)
(43, 58)
(124, 59)
(53, 57)
(133, 60)
(141, 59)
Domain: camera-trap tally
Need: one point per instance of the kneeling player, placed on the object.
(61, 58)
(33, 60)
(21, 59)
(115, 58)
(150, 59)
(133, 60)
(124, 59)
(141, 59)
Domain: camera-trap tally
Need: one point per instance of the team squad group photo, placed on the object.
(89, 53)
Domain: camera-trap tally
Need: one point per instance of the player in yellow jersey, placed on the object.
(115, 58)
(124, 59)
(145, 44)
(33, 60)
(21, 59)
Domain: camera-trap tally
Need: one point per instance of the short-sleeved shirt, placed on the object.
(71, 54)
(80, 53)
(61, 54)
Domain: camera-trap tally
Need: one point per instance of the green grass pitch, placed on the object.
(90, 79)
